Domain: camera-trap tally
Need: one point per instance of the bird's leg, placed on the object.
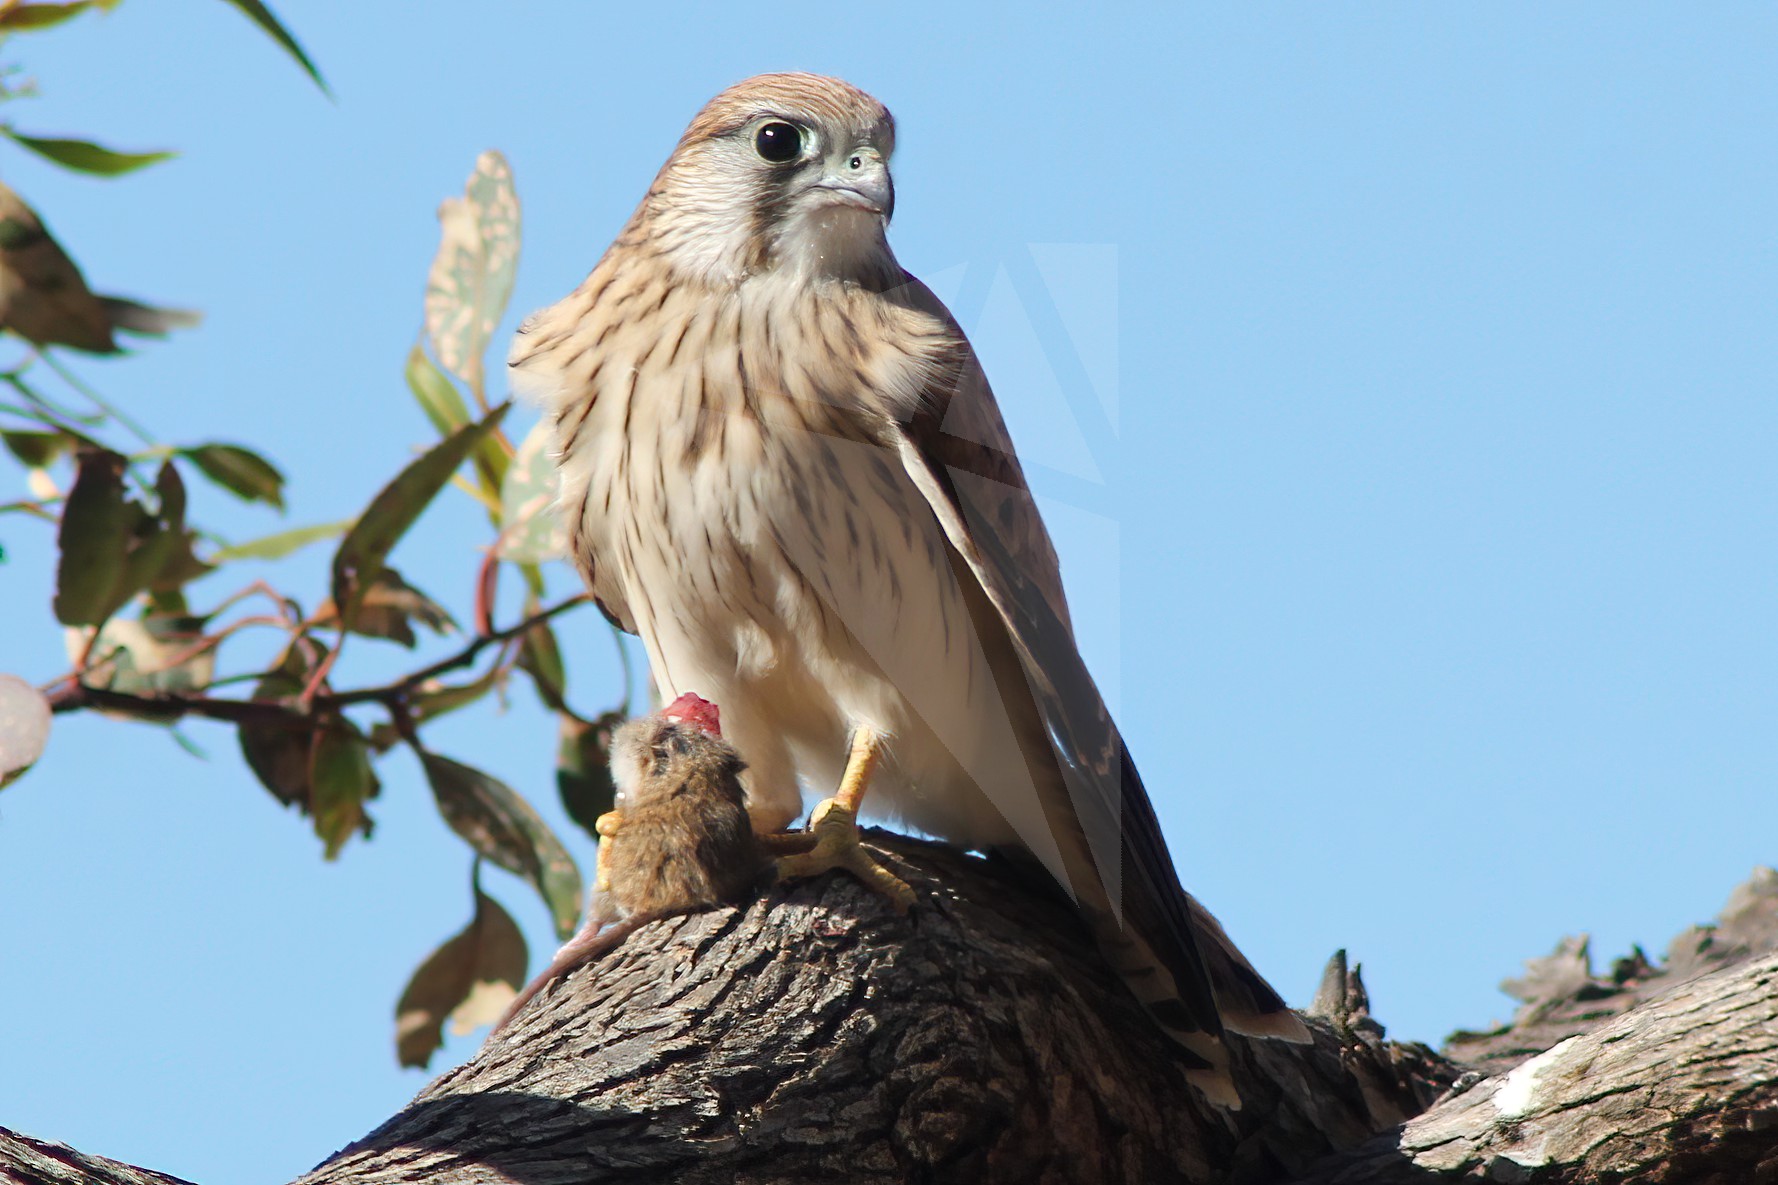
(832, 840)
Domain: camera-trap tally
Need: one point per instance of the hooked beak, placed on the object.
(861, 179)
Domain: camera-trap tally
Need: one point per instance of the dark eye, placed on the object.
(778, 142)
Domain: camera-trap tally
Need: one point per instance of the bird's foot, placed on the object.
(833, 841)
(607, 825)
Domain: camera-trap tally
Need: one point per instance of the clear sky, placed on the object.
(1400, 380)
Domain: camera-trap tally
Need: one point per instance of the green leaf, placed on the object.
(531, 530)
(469, 980)
(25, 18)
(472, 274)
(93, 540)
(436, 394)
(279, 756)
(435, 699)
(37, 450)
(340, 782)
(276, 547)
(240, 471)
(396, 507)
(583, 768)
(506, 829)
(262, 16)
(83, 155)
(541, 658)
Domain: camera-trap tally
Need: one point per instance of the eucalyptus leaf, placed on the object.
(504, 828)
(531, 528)
(469, 980)
(240, 471)
(583, 768)
(396, 507)
(262, 16)
(340, 782)
(24, 18)
(84, 156)
(276, 547)
(93, 540)
(472, 274)
(437, 395)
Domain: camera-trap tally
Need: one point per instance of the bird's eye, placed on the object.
(778, 142)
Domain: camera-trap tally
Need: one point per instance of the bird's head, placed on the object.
(782, 171)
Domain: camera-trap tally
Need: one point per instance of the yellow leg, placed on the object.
(832, 840)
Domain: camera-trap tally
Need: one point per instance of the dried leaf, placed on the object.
(531, 529)
(397, 505)
(507, 830)
(469, 980)
(240, 471)
(472, 274)
(84, 156)
(583, 768)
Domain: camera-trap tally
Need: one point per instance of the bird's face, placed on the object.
(784, 172)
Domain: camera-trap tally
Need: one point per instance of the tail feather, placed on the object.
(1246, 1001)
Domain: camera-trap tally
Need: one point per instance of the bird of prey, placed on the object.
(782, 466)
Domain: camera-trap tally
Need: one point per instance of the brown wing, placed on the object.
(958, 452)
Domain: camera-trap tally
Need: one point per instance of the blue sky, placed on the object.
(1399, 378)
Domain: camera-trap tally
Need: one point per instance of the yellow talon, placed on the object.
(832, 840)
(607, 826)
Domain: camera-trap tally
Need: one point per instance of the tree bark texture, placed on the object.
(815, 1036)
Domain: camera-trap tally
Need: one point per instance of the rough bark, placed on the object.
(815, 1036)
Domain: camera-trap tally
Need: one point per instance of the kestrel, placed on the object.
(782, 466)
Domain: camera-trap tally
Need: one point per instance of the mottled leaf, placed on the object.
(363, 551)
(340, 782)
(469, 980)
(531, 529)
(276, 547)
(82, 155)
(93, 540)
(157, 652)
(240, 471)
(262, 16)
(583, 768)
(388, 609)
(472, 274)
(506, 829)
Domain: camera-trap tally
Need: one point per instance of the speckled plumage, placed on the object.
(782, 467)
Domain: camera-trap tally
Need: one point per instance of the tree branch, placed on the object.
(815, 1036)
(72, 696)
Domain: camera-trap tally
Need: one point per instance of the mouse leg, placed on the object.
(832, 840)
